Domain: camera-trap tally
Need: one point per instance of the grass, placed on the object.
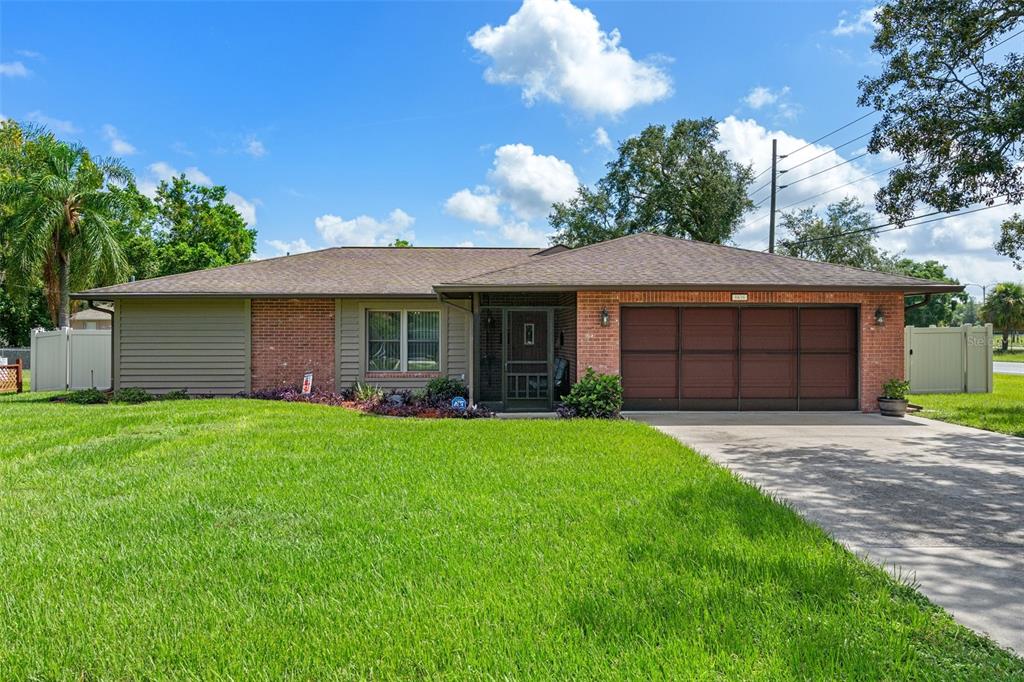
(258, 540)
(1002, 410)
(1008, 356)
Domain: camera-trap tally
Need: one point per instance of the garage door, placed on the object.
(739, 358)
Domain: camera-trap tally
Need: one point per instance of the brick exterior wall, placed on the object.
(881, 347)
(291, 337)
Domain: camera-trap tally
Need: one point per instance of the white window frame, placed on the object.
(403, 332)
(529, 334)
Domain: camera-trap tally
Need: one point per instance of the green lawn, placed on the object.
(1008, 356)
(1002, 410)
(235, 539)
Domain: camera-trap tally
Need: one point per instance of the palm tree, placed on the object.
(59, 220)
(1004, 308)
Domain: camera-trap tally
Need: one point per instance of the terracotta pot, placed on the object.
(891, 407)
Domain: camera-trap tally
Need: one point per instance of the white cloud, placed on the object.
(465, 245)
(476, 206)
(30, 54)
(57, 125)
(523, 186)
(255, 148)
(14, 69)
(529, 182)
(556, 51)
(282, 248)
(365, 230)
(761, 96)
(245, 208)
(161, 170)
(863, 22)
(118, 145)
(521, 234)
(601, 138)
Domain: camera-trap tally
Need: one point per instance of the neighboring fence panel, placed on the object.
(70, 358)
(15, 354)
(949, 359)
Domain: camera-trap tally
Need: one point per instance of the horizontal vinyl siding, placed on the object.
(201, 346)
(458, 343)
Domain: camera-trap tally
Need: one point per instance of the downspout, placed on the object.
(108, 311)
(924, 301)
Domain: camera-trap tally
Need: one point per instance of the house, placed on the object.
(688, 325)
(88, 318)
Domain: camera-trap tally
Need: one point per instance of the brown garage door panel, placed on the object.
(828, 330)
(768, 329)
(709, 329)
(649, 329)
(708, 375)
(767, 375)
(649, 375)
(828, 376)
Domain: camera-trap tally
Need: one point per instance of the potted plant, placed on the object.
(893, 402)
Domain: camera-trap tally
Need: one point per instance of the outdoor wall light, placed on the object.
(879, 316)
(605, 317)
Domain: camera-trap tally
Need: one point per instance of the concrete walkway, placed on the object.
(941, 503)
(1008, 367)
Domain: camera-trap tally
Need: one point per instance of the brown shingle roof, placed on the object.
(640, 261)
(342, 271)
(645, 261)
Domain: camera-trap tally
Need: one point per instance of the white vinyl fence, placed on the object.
(70, 358)
(949, 359)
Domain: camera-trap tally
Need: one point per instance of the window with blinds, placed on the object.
(403, 340)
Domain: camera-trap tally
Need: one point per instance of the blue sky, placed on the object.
(345, 123)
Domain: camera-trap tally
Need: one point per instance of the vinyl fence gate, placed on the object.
(70, 358)
(948, 359)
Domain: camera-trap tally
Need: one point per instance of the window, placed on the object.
(529, 332)
(403, 340)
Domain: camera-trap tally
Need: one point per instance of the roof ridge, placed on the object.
(552, 257)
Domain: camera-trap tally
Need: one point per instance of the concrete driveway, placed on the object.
(941, 503)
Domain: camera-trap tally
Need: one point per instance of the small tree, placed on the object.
(1004, 308)
(834, 238)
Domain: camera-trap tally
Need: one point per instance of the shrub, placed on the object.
(443, 389)
(88, 396)
(180, 394)
(597, 396)
(291, 394)
(132, 396)
(895, 389)
(367, 393)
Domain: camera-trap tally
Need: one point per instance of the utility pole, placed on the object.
(771, 215)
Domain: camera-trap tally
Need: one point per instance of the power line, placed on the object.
(845, 184)
(897, 226)
(824, 170)
(828, 134)
(828, 151)
(861, 118)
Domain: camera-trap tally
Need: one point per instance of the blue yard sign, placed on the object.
(459, 403)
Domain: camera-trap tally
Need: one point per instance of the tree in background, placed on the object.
(135, 220)
(58, 219)
(940, 310)
(1011, 241)
(196, 229)
(401, 243)
(968, 313)
(951, 106)
(1004, 308)
(841, 236)
(671, 182)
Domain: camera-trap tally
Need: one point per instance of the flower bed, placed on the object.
(395, 404)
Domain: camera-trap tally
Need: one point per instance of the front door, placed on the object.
(528, 359)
